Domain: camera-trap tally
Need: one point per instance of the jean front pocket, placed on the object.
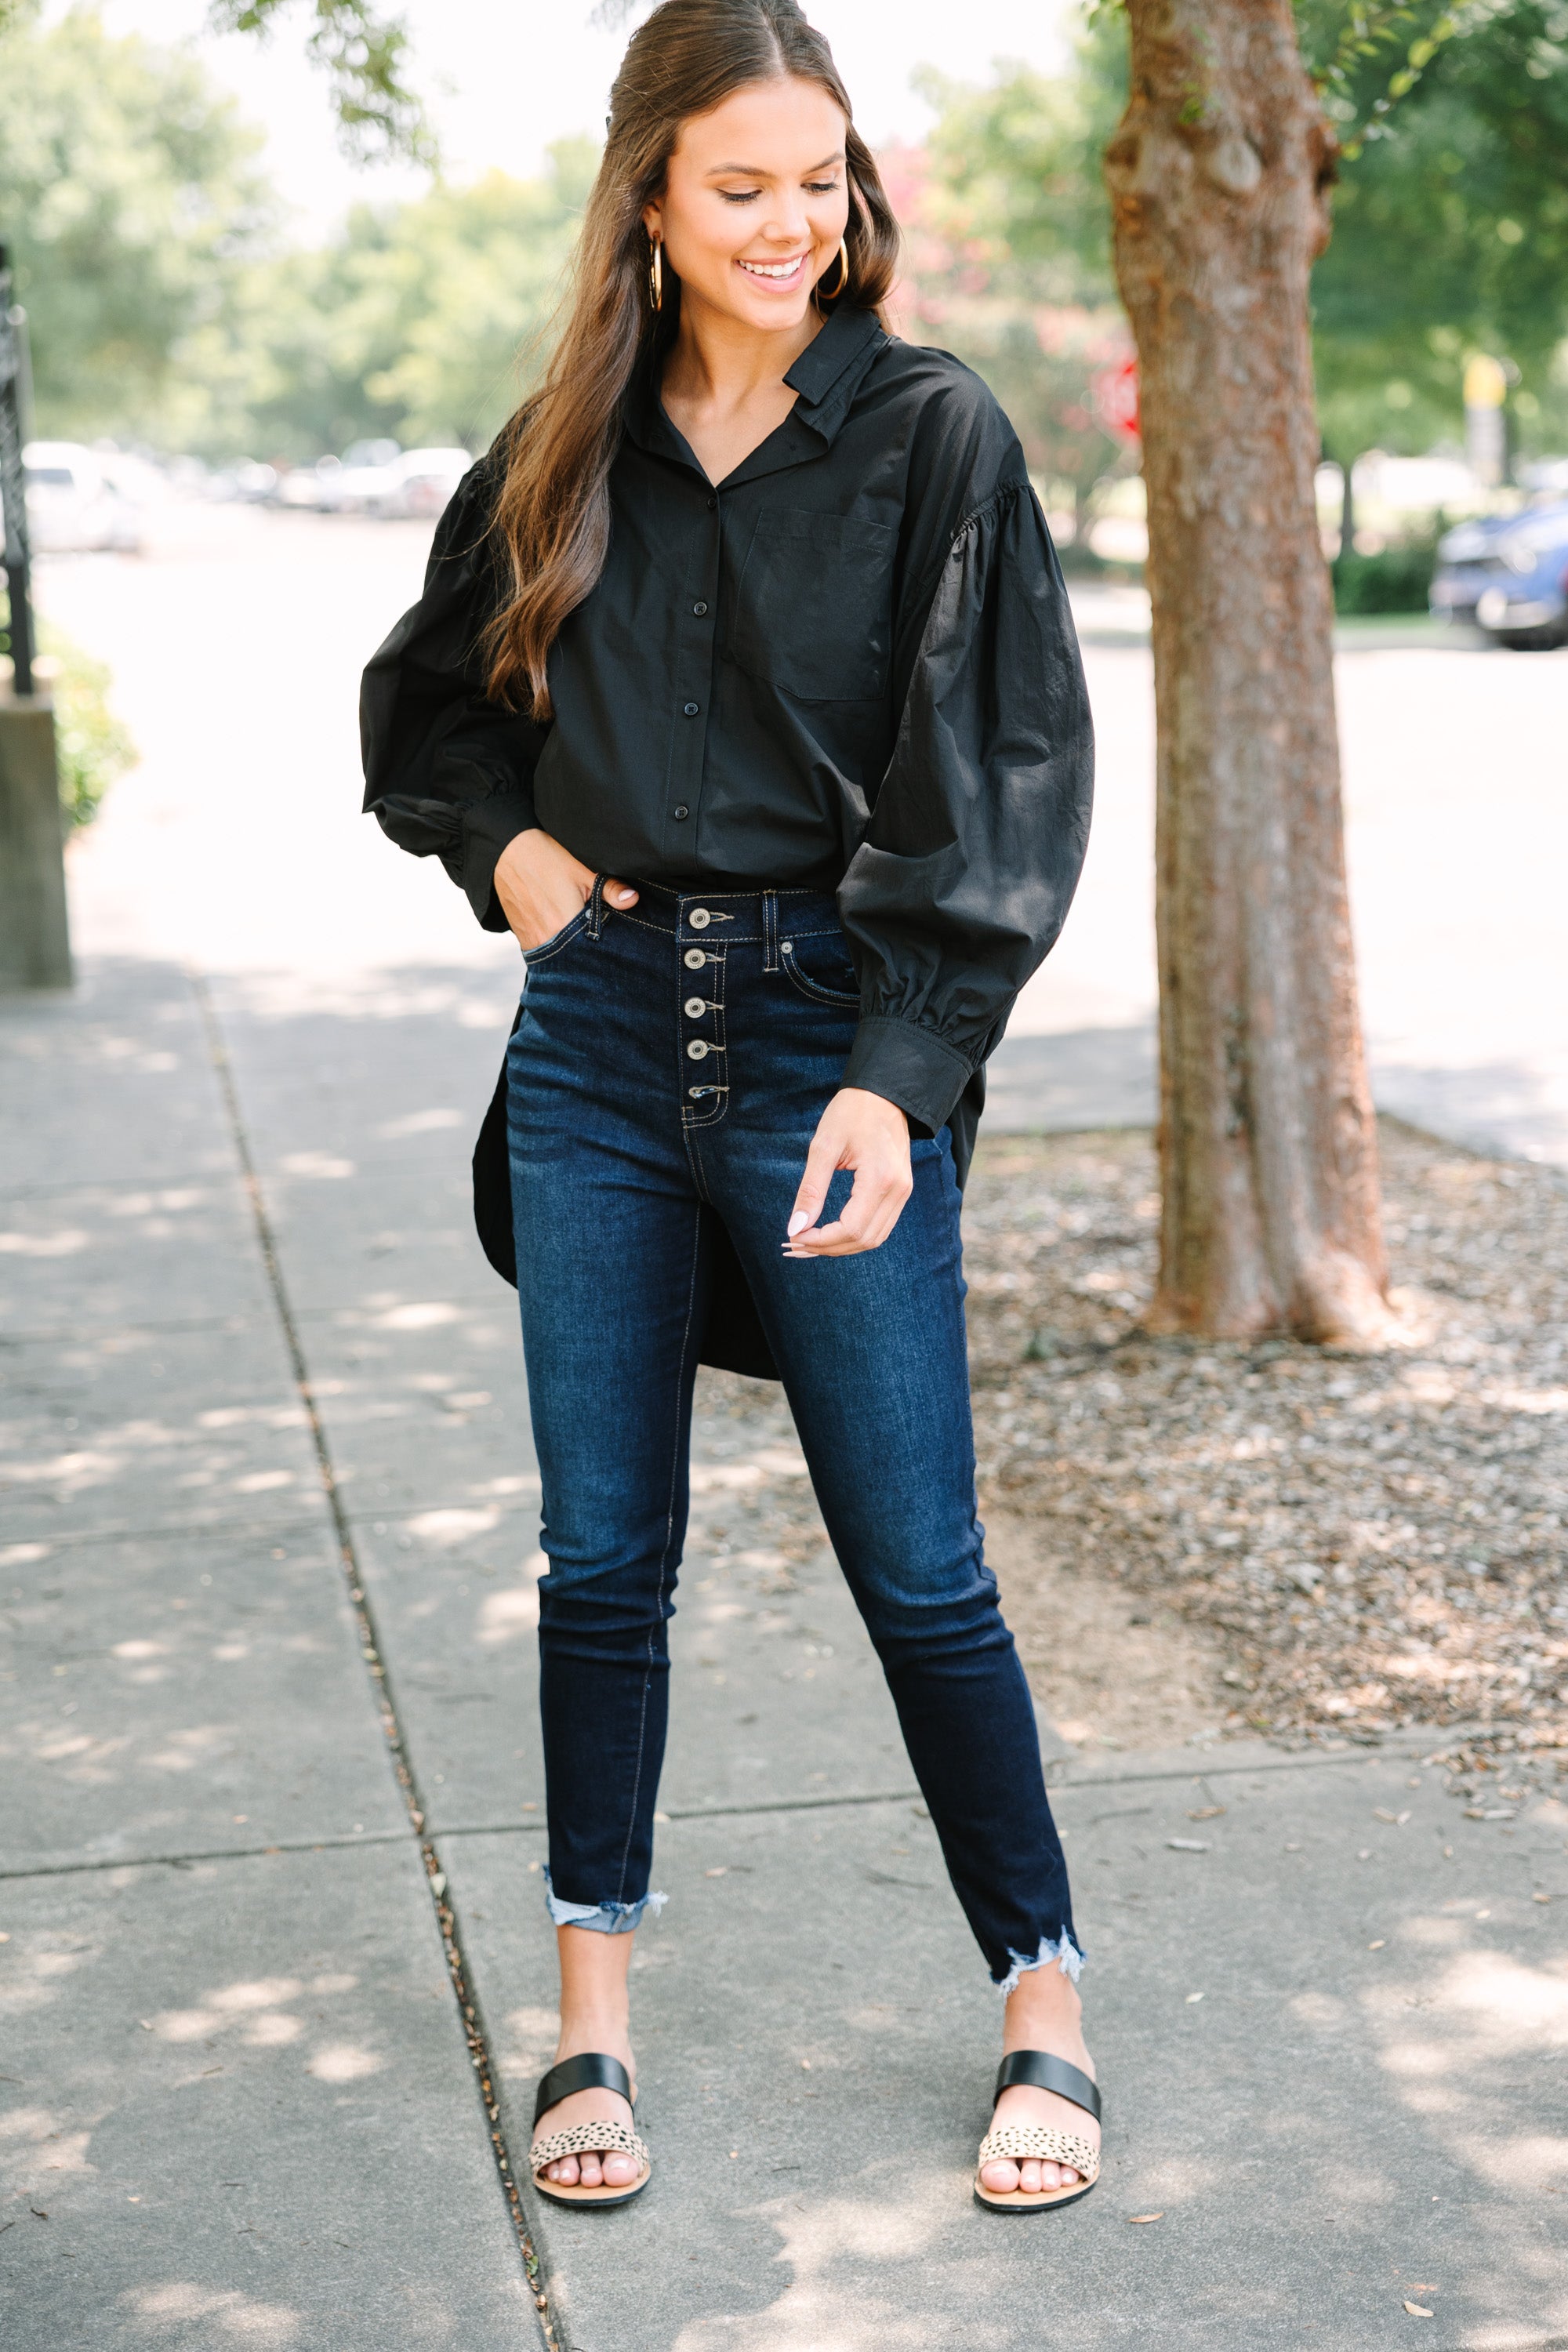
(563, 938)
(822, 970)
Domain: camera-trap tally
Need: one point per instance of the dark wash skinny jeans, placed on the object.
(670, 1065)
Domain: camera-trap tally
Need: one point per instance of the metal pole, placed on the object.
(12, 486)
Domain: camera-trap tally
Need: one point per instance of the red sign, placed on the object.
(1116, 399)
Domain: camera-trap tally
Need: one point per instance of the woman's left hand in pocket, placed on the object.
(868, 1134)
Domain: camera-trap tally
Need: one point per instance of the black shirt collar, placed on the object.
(826, 378)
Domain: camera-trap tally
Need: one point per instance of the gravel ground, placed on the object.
(1377, 1541)
(1195, 1539)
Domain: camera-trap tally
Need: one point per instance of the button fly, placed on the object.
(695, 1008)
(700, 919)
(695, 959)
(697, 1051)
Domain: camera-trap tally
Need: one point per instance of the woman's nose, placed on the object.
(788, 226)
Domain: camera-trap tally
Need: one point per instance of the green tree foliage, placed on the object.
(1450, 235)
(161, 308)
(131, 198)
(365, 56)
(1015, 170)
(421, 321)
(1450, 214)
(1008, 247)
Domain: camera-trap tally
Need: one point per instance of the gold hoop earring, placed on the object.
(834, 291)
(656, 278)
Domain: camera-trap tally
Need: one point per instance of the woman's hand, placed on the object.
(542, 887)
(868, 1133)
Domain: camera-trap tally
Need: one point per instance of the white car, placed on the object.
(73, 507)
(312, 488)
(426, 479)
(419, 482)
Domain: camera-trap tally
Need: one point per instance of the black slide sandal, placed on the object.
(591, 2072)
(1016, 2143)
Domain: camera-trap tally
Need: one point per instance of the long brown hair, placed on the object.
(552, 517)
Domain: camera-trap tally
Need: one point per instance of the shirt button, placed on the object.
(690, 709)
(696, 1006)
(698, 1049)
(683, 810)
(712, 503)
(695, 959)
(700, 610)
(700, 919)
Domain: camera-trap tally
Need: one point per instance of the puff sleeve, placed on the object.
(448, 774)
(967, 867)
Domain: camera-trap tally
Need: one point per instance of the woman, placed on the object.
(743, 689)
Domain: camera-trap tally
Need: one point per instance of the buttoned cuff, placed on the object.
(488, 825)
(909, 1067)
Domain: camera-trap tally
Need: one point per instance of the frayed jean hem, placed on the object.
(601, 1918)
(1064, 1951)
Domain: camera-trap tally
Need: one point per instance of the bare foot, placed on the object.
(1044, 2013)
(596, 2168)
(595, 2014)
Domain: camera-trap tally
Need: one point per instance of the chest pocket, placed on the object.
(814, 605)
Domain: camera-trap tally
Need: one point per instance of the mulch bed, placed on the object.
(1382, 1540)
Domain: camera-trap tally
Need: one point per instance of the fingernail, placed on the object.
(623, 897)
(798, 1223)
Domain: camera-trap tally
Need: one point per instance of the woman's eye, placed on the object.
(821, 187)
(741, 195)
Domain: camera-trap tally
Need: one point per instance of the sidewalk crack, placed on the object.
(371, 1651)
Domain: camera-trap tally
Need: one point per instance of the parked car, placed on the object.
(384, 452)
(247, 483)
(426, 480)
(418, 482)
(1509, 575)
(316, 489)
(73, 507)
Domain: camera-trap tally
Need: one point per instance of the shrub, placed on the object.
(92, 747)
(1395, 579)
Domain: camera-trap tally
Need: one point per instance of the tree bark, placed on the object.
(1218, 173)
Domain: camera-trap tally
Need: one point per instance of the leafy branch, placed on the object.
(364, 54)
(1366, 31)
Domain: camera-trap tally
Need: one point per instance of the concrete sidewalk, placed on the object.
(270, 1542)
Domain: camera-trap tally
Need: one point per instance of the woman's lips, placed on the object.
(775, 273)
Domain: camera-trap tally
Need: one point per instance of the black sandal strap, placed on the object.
(1045, 2072)
(591, 2072)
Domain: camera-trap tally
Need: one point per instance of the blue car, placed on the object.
(1509, 575)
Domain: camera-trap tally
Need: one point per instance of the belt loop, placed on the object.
(597, 906)
(770, 930)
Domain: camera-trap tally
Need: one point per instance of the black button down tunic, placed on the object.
(851, 665)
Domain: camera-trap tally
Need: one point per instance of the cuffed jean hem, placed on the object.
(601, 1918)
(1064, 1951)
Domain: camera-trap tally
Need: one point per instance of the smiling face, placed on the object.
(754, 203)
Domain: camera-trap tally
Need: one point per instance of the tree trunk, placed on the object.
(1271, 1218)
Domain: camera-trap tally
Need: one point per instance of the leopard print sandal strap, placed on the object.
(592, 2071)
(581, 2139)
(1015, 2143)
